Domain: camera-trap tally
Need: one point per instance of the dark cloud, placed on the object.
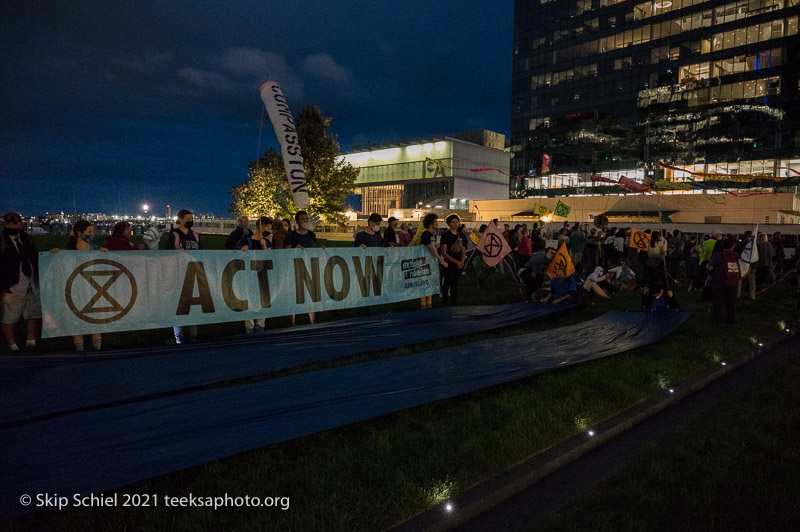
(115, 103)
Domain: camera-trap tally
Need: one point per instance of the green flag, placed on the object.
(562, 209)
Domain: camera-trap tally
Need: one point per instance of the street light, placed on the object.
(145, 208)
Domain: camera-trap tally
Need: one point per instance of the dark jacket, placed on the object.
(237, 238)
(10, 260)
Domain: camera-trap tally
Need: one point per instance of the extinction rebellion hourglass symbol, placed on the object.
(102, 307)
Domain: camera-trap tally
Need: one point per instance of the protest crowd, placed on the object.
(567, 265)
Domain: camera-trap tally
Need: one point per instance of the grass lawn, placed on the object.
(736, 468)
(376, 473)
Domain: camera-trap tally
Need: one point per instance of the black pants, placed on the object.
(452, 274)
(724, 299)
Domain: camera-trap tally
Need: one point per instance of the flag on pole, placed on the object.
(493, 245)
(749, 255)
(562, 209)
(561, 266)
(286, 131)
(545, 163)
(639, 240)
(540, 210)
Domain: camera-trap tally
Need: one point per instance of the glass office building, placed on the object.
(612, 88)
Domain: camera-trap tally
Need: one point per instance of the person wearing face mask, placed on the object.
(371, 236)
(19, 281)
(260, 240)
(184, 238)
(82, 239)
(238, 236)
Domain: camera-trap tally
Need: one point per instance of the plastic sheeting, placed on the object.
(40, 385)
(98, 450)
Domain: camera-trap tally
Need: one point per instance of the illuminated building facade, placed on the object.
(431, 174)
(611, 88)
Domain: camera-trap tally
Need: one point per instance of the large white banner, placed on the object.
(90, 291)
(286, 131)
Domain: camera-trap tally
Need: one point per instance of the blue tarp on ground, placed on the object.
(102, 449)
(39, 385)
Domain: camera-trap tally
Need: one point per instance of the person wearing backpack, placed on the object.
(724, 268)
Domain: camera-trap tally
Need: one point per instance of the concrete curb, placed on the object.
(486, 495)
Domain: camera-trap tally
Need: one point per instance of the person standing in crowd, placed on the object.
(724, 268)
(524, 247)
(779, 256)
(390, 236)
(280, 233)
(751, 271)
(404, 236)
(655, 270)
(120, 239)
(152, 236)
(591, 253)
(259, 240)
(764, 267)
(577, 243)
(19, 281)
(371, 236)
(454, 253)
(303, 237)
(82, 239)
(428, 239)
(184, 238)
(239, 235)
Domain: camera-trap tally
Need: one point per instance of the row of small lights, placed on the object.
(448, 507)
(591, 433)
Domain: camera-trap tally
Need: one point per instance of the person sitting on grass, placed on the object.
(623, 277)
(562, 290)
(656, 298)
(594, 280)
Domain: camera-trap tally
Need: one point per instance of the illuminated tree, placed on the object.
(328, 178)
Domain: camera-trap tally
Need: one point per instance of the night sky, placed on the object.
(109, 105)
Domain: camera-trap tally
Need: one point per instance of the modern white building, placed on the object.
(439, 173)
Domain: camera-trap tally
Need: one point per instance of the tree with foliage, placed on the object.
(329, 178)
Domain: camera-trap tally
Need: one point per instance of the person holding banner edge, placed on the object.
(427, 238)
(258, 241)
(301, 238)
(184, 238)
(82, 240)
